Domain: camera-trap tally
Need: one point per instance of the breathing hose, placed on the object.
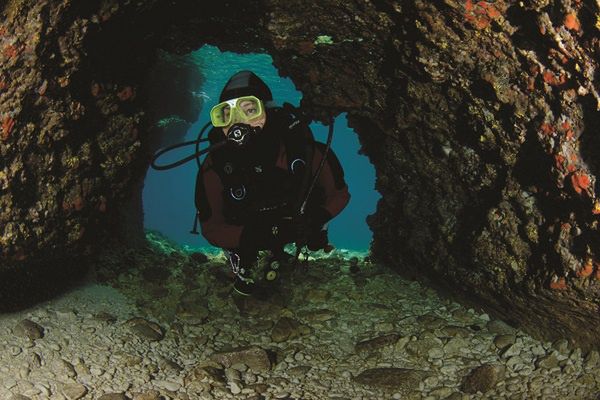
(196, 154)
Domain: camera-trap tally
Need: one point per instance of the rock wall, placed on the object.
(481, 119)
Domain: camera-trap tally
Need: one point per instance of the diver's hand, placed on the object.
(309, 227)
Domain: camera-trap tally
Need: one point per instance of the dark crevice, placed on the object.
(528, 35)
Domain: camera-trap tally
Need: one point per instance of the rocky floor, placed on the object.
(340, 328)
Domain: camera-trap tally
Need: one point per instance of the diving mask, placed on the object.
(240, 110)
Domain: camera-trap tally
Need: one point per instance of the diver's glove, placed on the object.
(267, 234)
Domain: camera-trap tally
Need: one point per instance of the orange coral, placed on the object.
(126, 94)
(7, 126)
(572, 22)
(2, 85)
(586, 269)
(559, 161)
(481, 14)
(10, 51)
(2, 31)
(551, 79)
(570, 134)
(559, 284)
(580, 182)
(547, 129)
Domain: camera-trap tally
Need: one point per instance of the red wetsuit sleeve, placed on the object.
(332, 181)
(214, 228)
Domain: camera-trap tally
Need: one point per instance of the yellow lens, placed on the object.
(220, 115)
(242, 109)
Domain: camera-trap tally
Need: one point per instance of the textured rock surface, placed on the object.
(480, 117)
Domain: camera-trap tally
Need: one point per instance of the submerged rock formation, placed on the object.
(481, 119)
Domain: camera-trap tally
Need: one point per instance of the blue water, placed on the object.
(169, 195)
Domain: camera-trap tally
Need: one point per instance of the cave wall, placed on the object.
(481, 119)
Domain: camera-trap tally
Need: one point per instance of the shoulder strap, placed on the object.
(300, 144)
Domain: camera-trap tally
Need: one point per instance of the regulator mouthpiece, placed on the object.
(240, 134)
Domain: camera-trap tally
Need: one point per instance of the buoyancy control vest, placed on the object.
(254, 187)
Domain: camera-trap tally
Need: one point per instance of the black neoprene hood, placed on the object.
(246, 83)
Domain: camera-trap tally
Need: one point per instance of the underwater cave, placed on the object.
(168, 195)
(479, 118)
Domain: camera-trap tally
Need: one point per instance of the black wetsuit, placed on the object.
(259, 183)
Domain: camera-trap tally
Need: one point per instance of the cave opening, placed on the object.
(168, 196)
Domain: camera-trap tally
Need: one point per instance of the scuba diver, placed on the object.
(248, 190)
(265, 182)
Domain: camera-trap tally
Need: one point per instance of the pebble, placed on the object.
(10, 383)
(74, 391)
(234, 387)
(14, 350)
(440, 339)
(168, 385)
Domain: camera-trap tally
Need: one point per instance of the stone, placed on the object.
(456, 396)
(149, 395)
(499, 327)
(256, 358)
(211, 372)
(29, 330)
(250, 305)
(562, 346)
(547, 362)
(453, 331)
(288, 328)
(145, 329)
(113, 396)
(431, 321)
(503, 341)
(103, 316)
(74, 391)
(420, 347)
(512, 350)
(193, 306)
(455, 345)
(377, 343)
(169, 366)
(167, 385)
(399, 379)
(441, 393)
(401, 343)
(235, 387)
(319, 315)
(463, 316)
(299, 371)
(435, 353)
(317, 295)
(592, 359)
(62, 367)
(586, 380)
(483, 378)
(199, 258)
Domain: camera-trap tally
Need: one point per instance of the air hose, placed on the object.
(196, 155)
